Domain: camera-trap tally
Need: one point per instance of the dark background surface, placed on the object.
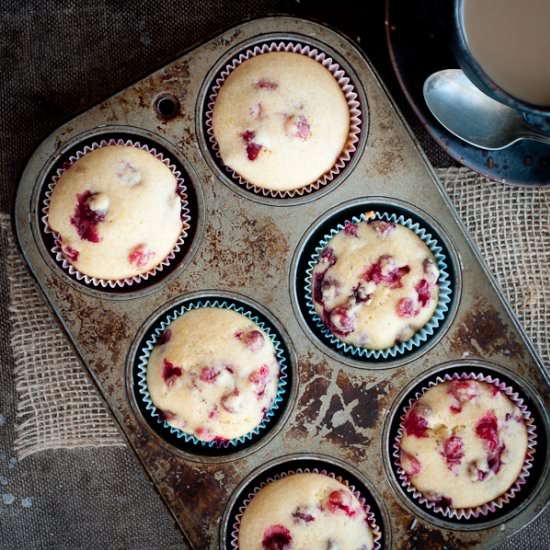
(57, 59)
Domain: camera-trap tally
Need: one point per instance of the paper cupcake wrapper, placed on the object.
(419, 337)
(489, 507)
(376, 532)
(346, 86)
(57, 251)
(150, 407)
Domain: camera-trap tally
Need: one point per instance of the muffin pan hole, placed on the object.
(298, 464)
(178, 438)
(190, 212)
(166, 106)
(307, 255)
(349, 83)
(536, 473)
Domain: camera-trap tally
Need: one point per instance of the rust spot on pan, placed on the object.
(197, 486)
(178, 71)
(99, 327)
(248, 252)
(197, 493)
(385, 165)
(314, 379)
(354, 390)
(342, 432)
(140, 437)
(389, 158)
(424, 538)
(482, 332)
(200, 493)
(226, 41)
(125, 105)
(337, 407)
(187, 138)
(352, 412)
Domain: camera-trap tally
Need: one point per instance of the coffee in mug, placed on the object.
(510, 40)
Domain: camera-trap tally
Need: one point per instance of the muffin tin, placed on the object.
(248, 247)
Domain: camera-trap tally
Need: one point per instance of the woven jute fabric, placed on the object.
(58, 407)
(511, 227)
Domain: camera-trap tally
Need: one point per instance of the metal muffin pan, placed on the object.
(244, 246)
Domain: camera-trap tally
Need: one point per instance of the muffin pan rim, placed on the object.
(273, 428)
(455, 284)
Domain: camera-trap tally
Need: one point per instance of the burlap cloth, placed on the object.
(58, 58)
(59, 408)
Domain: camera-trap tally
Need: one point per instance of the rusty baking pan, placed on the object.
(339, 409)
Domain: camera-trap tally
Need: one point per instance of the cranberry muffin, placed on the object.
(280, 120)
(464, 443)
(116, 212)
(213, 374)
(305, 511)
(375, 284)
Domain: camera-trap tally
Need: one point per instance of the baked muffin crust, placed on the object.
(281, 120)
(305, 511)
(116, 211)
(375, 284)
(213, 374)
(464, 443)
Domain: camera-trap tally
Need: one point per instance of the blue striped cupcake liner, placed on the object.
(155, 414)
(422, 335)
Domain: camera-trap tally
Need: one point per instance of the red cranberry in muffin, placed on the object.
(217, 372)
(470, 440)
(272, 125)
(375, 284)
(116, 213)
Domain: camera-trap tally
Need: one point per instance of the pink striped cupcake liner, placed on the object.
(57, 250)
(347, 87)
(371, 519)
(440, 507)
